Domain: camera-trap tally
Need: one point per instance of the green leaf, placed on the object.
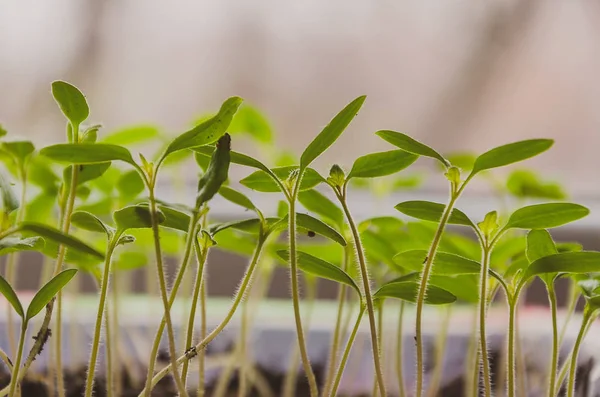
(331, 132)
(49, 291)
(90, 134)
(316, 202)
(443, 264)
(525, 183)
(539, 245)
(263, 182)
(464, 286)
(311, 224)
(87, 221)
(217, 172)
(377, 248)
(545, 216)
(10, 202)
(251, 121)
(130, 184)
(430, 211)
(17, 244)
(511, 153)
(71, 102)
(11, 296)
(174, 219)
(40, 173)
(208, 131)
(132, 135)
(236, 197)
(410, 145)
(3, 131)
(380, 164)
(247, 225)
(55, 235)
(87, 153)
(86, 173)
(135, 217)
(408, 290)
(130, 260)
(236, 158)
(320, 268)
(20, 150)
(565, 262)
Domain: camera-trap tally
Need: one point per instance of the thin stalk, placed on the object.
(89, 384)
(202, 353)
(555, 352)
(190, 237)
(472, 365)
(14, 379)
(335, 343)
(562, 374)
(202, 254)
(243, 376)
(483, 305)
(574, 294)
(512, 309)
(375, 389)
(6, 360)
(399, 352)
(163, 293)
(115, 338)
(427, 267)
(366, 290)
(108, 353)
(587, 318)
(192, 352)
(312, 381)
(347, 349)
(440, 348)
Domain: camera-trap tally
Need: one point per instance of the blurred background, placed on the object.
(460, 76)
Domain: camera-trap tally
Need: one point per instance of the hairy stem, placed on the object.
(440, 348)
(554, 361)
(346, 354)
(510, 365)
(366, 290)
(587, 318)
(108, 353)
(202, 353)
(89, 384)
(375, 390)
(472, 365)
(399, 352)
(483, 305)
(14, 379)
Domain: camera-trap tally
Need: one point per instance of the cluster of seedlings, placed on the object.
(108, 198)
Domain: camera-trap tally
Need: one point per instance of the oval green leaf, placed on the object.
(331, 132)
(17, 244)
(71, 102)
(443, 264)
(174, 218)
(247, 225)
(539, 245)
(11, 296)
(236, 197)
(381, 164)
(87, 153)
(208, 131)
(55, 235)
(10, 202)
(49, 291)
(511, 153)
(136, 217)
(87, 221)
(132, 135)
(408, 290)
(565, 262)
(316, 202)
(430, 211)
(130, 184)
(320, 268)
(545, 216)
(86, 172)
(20, 150)
(410, 145)
(312, 224)
(263, 182)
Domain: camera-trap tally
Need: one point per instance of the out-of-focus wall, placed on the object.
(453, 74)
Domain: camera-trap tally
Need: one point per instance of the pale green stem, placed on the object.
(346, 354)
(163, 293)
(562, 374)
(399, 352)
(555, 352)
(89, 384)
(202, 255)
(440, 348)
(375, 389)
(335, 343)
(243, 376)
(108, 352)
(366, 290)
(574, 294)
(210, 337)
(510, 365)
(472, 360)
(312, 382)
(14, 380)
(202, 353)
(587, 318)
(483, 305)
(115, 340)
(6, 360)
(190, 237)
(427, 267)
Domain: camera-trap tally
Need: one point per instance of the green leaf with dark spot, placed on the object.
(331, 132)
(11, 296)
(87, 221)
(320, 268)
(545, 216)
(136, 217)
(429, 211)
(208, 131)
(380, 164)
(263, 182)
(410, 145)
(174, 218)
(71, 102)
(511, 153)
(316, 202)
(443, 264)
(49, 291)
(408, 290)
(58, 237)
(87, 153)
(312, 224)
(86, 172)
